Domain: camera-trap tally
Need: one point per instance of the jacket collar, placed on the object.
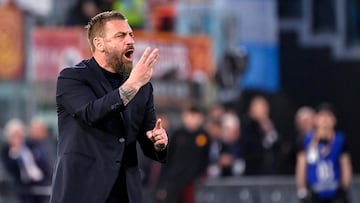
(99, 75)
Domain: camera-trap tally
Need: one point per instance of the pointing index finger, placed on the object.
(158, 124)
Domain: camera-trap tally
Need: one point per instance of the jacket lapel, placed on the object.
(98, 76)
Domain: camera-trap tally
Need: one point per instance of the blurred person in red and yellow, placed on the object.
(188, 158)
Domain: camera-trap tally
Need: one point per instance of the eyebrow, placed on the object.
(123, 33)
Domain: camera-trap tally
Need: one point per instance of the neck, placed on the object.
(100, 59)
(325, 134)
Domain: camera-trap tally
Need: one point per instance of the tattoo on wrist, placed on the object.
(127, 94)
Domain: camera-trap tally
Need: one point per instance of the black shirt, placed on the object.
(115, 79)
(119, 190)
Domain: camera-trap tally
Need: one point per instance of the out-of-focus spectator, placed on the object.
(133, 10)
(107, 5)
(230, 160)
(259, 139)
(22, 164)
(43, 147)
(82, 12)
(216, 111)
(188, 158)
(304, 120)
(304, 124)
(213, 127)
(162, 15)
(230, 70)
(324, 168)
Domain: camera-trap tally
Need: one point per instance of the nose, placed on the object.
(130, 40)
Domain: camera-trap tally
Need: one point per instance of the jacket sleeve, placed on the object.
(75, 96)
(149, 121)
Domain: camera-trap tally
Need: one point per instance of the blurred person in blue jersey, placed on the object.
(105, 107)
(324, 169)
(26, 168)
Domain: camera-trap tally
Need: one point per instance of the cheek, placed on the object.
(16, 140)
(113, 46)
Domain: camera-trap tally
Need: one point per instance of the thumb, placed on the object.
(158, 124)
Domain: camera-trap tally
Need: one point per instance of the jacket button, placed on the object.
(122, 140)
(115, 106)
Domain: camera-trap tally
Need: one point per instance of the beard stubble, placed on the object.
(115, 60)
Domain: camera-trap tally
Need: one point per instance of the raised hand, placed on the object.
(158, 136)
(139, 76)
(142, 72)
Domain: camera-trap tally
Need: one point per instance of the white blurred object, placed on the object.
(37, 7)
(213, 171)
(238, 167)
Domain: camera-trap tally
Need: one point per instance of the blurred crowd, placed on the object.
(28, 156)
(213, 142)
(220, 142)
(154, 14)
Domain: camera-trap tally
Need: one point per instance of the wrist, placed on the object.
(132, 84)
(127, 91)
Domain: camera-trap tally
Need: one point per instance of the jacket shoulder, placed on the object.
(77, 69)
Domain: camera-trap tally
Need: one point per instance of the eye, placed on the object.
(120, 35)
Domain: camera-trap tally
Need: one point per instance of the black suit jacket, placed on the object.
(94, 128)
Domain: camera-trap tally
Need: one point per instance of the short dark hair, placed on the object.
(96, 24)
(326, 106)
(193, 108)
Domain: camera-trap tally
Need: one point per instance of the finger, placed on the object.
(160, 143)
(150, 135)
(158, 124)
(145, 55)
(152, 57)
(151, 64)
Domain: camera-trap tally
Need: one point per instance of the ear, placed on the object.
(98, 44)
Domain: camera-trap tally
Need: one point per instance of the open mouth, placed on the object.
(129, 54)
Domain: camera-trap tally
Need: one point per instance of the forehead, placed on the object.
(325, 113)
(116, 25)
(259, 101)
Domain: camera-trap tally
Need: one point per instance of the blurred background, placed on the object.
(219, 59)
